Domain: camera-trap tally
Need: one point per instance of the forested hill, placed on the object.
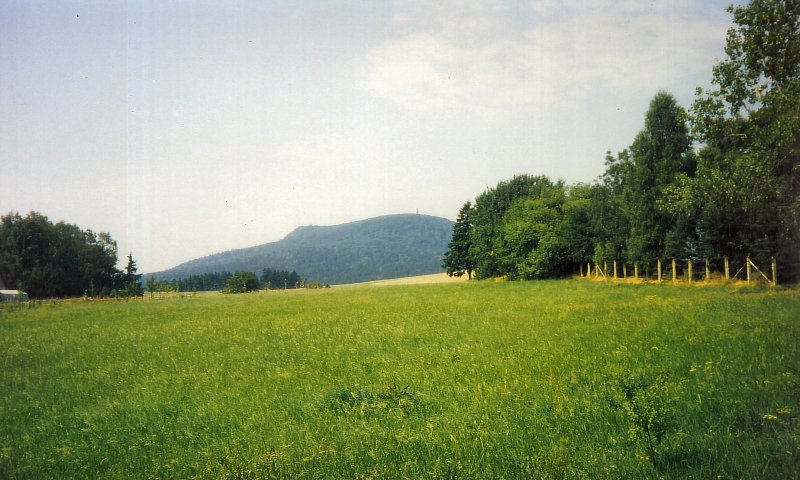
(383, 247)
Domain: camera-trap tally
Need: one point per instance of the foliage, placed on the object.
(488, 248)
(528, 244)
(660, 152)
(360, 402)
(457, 260)
(315, 284)
(645, 403)
(723, 181)
(204, 282)
(477, 379)
(280, 279)
(131, 281)
(56, 260)
(531, 227)
(152, 285)
(241, 282)
(746, 196)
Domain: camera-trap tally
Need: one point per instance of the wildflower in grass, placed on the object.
(769, 416)
(647, 405)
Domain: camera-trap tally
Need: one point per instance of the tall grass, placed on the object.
(561, 379)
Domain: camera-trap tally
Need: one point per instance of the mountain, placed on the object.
(391, 246)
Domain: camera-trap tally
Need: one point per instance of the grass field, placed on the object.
(557, 379)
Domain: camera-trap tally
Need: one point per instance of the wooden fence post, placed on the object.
(659, 270)
(727, 270)
(690, 271)
(748, 271)
(774, 272)
(674, 273)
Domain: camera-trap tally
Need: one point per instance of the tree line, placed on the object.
(237, 282)
(49, 260)
(719, 179)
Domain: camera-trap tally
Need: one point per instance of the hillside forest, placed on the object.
(721, 179)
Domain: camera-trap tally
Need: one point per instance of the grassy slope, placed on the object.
(490, 380)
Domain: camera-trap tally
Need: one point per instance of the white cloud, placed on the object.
(477, 61)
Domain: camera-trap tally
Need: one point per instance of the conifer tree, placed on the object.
(458, 260)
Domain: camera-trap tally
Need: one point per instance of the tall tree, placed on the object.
(660, 152)
(132, 286)
(458, 260)
(746, 195)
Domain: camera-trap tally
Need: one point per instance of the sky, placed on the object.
(187, 128)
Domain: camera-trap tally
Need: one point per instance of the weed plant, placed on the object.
(555, 379)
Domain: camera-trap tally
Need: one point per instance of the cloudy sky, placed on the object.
(186, 128)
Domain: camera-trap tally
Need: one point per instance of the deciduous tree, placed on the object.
(746, 195)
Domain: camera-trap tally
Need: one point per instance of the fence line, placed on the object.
(602, 272)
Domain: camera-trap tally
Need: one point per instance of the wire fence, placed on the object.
(684, 271)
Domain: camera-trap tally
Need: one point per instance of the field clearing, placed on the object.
(555, 379)
(416, 280)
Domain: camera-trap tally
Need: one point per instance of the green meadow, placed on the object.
(547, 379)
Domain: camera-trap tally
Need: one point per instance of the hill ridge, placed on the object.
(387, 246)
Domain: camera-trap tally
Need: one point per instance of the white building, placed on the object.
(7, 295)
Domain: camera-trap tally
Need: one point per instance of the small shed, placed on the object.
(13, 296)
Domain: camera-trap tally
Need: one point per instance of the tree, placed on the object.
(132, 286)
(487, 220)
(204, 282)
(60, 260)
(746, 194)
(738, 196)
(457, 260)
(151, 283)
(241, 282)
(280, 279)
(99, 258)
(576, 231)
(608, 217)
(528, 243)
(660, 152)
